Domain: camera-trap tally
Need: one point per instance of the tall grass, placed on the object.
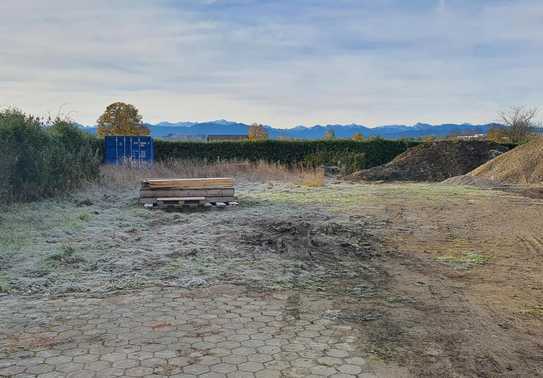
(128, 175)
(41, 158)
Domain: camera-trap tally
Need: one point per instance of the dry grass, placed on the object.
(128, 175)
(313, 178)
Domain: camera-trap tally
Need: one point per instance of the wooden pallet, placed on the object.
(187, 202)
(209, 192)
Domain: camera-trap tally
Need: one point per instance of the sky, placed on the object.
(277, 62)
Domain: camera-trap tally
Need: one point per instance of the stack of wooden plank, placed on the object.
(217, 192)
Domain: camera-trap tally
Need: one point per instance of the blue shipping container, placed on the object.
(133, 149)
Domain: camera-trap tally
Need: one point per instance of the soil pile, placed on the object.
(479, 182)
(522, 165)
(434, 161)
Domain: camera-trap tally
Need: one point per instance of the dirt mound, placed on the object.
(479, 182)
(522, 165)
(434, 161)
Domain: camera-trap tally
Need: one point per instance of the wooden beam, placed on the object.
(153, 193)
(193, 183)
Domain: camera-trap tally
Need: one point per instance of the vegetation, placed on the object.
(520, 124)
(498, 135)
(376, 151)
(121, 119)
(41, 158)
(358, 137)
(257, 132)
(347, 162)
(330, 135)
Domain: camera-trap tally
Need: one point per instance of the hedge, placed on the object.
(376, 151)
(43, 158)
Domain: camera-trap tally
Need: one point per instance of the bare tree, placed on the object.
(520, 122)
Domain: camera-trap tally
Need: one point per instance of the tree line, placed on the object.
(124, 119)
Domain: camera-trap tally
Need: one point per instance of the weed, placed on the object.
(468, 258)
(84, 217)
(313, 179)
(4, 283)
(534, 311)
(66, 256)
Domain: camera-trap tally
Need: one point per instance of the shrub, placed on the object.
(43, 158)
(376, 151)
(347, 162)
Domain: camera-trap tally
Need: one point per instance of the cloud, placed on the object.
(277, 62)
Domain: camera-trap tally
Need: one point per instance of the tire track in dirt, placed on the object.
(532, 244)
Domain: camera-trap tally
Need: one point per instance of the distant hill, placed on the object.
(198, 130)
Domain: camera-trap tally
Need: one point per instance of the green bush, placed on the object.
(376, 152)
(347, 162)
(40, 159)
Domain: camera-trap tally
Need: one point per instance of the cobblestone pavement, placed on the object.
(222, 331)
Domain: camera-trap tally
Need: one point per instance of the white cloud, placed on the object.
(278, 62)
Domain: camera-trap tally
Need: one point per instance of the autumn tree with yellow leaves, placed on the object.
(121, 119)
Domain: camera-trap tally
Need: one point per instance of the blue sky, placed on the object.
(278, 62)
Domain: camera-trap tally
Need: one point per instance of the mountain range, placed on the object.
(199, 130)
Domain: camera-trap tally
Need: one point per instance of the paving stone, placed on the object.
(82, 374)
(356, 361)
(209, 360)
(240, 374)
(224, 368)
(139, 371)
(337, 353)
(97, 365)
(164, 332)
(234, 359)
(349, 369)
(69, 367)
(269, 373)
(330, 361)
(125, 364)
(323, 370)
(196, 369)
(58, 360)
(259, 357)
(212, 375)
(250, 366)
(111, 372)
(40, 369)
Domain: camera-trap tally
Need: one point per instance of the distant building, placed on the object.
(227, 138)
(471, 137)
(185, 138)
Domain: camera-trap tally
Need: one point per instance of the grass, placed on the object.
(313, 179)
(534, 311)
(66, 256)
(85, 217)
(131, 176)
(347, 196)
(468, 258)
(4, 283)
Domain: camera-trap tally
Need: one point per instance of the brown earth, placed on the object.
(435, 161)
(451, 315)
(523, 165)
